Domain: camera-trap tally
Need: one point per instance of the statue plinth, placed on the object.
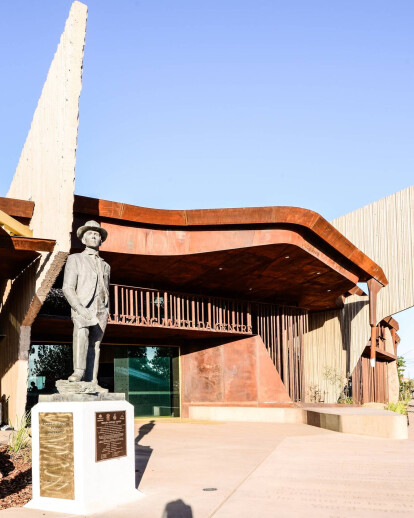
(81, 398)
(79, 387)
(83, 454)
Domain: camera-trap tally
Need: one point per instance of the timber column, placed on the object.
(373, 287)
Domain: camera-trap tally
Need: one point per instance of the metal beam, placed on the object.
(373, 288)
(14, 227)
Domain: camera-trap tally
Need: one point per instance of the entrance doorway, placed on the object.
(149, 377)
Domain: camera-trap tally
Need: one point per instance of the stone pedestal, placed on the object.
(83, 455)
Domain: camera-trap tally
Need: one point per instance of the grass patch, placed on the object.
(20, 436)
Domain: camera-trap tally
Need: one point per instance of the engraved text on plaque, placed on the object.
(56, 455)
(110, 435)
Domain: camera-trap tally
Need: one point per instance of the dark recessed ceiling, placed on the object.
(280, 273)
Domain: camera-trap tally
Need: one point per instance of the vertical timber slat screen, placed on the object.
(282, 330)
(370, 384)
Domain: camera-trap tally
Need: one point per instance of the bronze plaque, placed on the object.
(110, 435)
(56, 455)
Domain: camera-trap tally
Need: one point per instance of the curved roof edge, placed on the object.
(238, 216)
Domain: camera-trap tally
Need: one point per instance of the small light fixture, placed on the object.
(328, 290)
(286, 257)
(220, 268)
(250, 289)
(318, 273)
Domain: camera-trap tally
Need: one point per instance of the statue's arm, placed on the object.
(70, 280)
(107, 277)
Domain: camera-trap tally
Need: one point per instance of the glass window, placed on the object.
(149, 377)
(47, 364)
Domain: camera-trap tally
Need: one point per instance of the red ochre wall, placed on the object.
(235, 373)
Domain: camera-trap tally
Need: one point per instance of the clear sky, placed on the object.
(226, 103)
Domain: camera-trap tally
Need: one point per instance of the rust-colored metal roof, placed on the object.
(17, 208)
(16, 253)
(390, 322)
(240, 218)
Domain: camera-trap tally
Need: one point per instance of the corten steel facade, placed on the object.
(232, 288)
(236, 307)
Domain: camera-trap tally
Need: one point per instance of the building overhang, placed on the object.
(284, 255)
(17, 252)
(22, 210)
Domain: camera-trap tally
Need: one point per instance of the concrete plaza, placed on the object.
(263, 470)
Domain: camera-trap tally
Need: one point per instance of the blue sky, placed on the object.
(226, 103)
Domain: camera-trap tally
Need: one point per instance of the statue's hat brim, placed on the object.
(92, 225)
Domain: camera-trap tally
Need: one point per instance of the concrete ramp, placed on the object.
(355, 420)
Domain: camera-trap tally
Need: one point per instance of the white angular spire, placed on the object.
(45, 173)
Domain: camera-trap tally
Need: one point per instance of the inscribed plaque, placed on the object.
(56, 455)
(110, 435)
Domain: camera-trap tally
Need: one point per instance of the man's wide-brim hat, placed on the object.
(92, 225)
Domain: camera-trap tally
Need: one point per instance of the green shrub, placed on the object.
(20, 436)
(346, 400)
(400, 407)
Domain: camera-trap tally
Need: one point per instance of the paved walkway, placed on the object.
(264, 470)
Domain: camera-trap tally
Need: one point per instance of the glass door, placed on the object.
(149, 377)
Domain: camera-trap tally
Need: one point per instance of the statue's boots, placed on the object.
(77, 375)
(99, 388)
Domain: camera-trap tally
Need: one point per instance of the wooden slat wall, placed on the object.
(384, 230)
(14, 349)
(335, 342)
(282, 330)
(370, 384)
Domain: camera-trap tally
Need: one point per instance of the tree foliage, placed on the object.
(401, 364)
(56, 304)
(54, 362)
(406, 387)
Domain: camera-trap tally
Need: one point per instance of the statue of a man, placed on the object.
(86, 287)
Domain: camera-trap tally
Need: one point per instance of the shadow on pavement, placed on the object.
(144, 430)
(142, 453)
(177, 509)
